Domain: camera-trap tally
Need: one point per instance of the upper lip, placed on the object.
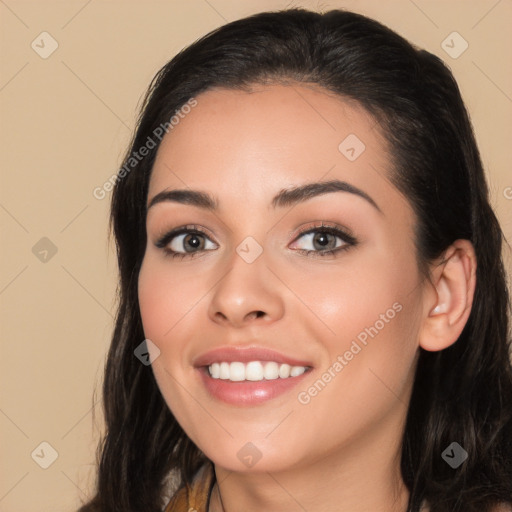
(245, 355)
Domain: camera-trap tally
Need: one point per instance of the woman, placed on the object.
(309, 262)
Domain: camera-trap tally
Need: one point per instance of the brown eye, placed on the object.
(324, 241)
(185, 242)
(189, 243)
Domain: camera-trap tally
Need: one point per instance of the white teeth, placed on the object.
(224, 371)
(297, 370)
(284, 371)
(271, 371)
(254, 371)
(237, 372)
(215, 370)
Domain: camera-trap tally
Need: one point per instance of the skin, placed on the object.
(341, 450)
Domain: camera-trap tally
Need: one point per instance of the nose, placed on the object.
(247, 293)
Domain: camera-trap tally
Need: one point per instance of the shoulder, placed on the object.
(503, 507)
(195, 496)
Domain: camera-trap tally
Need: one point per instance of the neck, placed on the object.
(363, 474)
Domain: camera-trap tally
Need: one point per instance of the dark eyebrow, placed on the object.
(286, 197)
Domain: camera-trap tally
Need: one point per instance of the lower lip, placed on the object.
(248, 392)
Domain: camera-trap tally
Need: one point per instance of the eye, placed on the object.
(185, 242)
(324, 241)
(189, 241)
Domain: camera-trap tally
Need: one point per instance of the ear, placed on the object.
(448, 303)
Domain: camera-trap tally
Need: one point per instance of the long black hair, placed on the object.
(461, 394)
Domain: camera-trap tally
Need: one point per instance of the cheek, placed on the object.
(372, 310)
(165, 298)
(362, 292)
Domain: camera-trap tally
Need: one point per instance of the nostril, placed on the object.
(256, 314)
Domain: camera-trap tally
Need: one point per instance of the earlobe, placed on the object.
(449, 304)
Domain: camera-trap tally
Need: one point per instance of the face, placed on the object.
(267, 281)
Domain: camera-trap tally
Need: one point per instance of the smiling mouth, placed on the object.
(254, 371)
(245, 386)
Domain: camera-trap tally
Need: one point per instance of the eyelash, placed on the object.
(349, 240)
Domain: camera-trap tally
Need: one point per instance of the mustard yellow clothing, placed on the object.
(194, 498)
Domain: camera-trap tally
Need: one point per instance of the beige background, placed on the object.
(65, 122)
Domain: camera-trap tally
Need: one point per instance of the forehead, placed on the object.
(251, 143)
